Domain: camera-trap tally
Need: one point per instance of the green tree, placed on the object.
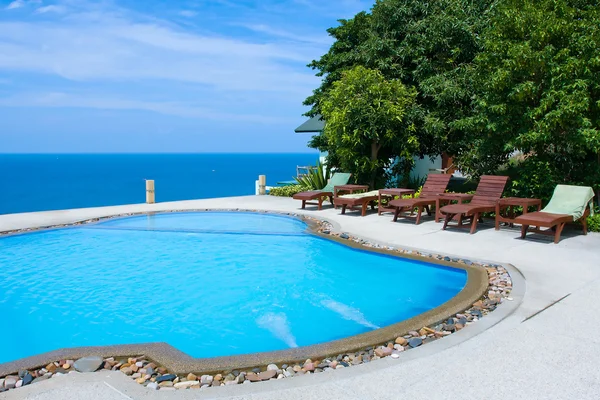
(367, 124)
(538, 93)
(426, 45)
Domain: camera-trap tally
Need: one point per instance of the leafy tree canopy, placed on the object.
(367, 124)
(538, 92)
(427, 45)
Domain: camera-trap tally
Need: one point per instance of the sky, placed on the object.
(160, 75)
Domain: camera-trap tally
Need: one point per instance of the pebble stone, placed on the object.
(88, 364)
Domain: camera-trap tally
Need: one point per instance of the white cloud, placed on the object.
(188, 13)
(51, 9)
(21, 3)
(120, 50)
(322, 40)
(119, 59)
(187, 110)
(15, 4)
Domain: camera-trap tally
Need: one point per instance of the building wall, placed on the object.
(422, 166)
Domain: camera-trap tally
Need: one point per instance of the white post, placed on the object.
(150, 192)
(262, 185)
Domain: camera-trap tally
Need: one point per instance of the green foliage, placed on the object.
(491, 78)
(594, 222)
(538, 92)
(429, 46)
(412, 182)
(532, 178)
(417, 193)
(367, 125)
(315, 179)
(286, 191)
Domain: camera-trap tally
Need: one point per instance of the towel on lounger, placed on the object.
(571, 200)
(360, 195)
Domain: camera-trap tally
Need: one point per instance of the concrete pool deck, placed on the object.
(541, 350)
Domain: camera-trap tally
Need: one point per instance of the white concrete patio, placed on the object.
(552, 355)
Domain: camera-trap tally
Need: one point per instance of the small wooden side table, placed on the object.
(348, 189)
(391, 192)
(505, 208)
(447, 198)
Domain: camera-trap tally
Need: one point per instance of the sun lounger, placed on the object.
(435, 185)
(568, 203)
(489, 190)
(338, 178)
(354, 200)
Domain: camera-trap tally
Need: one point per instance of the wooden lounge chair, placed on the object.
(338, 178)
(354, 200)
(435, 185)
(489, 190)
(568, 203)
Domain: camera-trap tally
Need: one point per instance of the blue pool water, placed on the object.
(210, 284)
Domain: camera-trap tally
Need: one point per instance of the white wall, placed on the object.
(422, 166)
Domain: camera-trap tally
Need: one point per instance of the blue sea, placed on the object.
(40, 182)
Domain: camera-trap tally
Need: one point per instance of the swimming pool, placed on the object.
(209, 283)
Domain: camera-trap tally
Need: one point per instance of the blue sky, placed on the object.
(160, 75)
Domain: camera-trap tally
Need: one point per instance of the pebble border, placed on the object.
(146, 372)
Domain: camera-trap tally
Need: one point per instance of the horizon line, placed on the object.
(159, 153)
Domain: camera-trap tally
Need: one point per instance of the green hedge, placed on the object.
(594, 222)
(286, 191)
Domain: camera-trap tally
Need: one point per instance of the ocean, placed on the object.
(40, 182)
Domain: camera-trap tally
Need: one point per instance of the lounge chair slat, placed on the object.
(435, 185)
(488, 192)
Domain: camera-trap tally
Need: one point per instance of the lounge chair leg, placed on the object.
(396, 212)
(419, 211)
(524, 229)
(303, 204)
(474, 220)
(343, 209)
(320, 207)
(559, 229)
(446, 220)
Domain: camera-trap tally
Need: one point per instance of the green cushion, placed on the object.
(338, 178)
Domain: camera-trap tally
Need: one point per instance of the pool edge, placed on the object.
(178, 362)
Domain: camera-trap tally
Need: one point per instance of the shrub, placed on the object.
(594, 222)
(315, 179)
(286, 191)
(412, 182)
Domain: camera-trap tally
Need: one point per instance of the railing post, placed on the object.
(262, 185)
(150, 199)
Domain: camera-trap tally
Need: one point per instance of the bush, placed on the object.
(531, 178)
(594, 222)
(286, 191)
(315, 179)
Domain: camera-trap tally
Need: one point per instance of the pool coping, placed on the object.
(180, 363)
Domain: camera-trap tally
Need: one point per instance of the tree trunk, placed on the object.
(374, 150)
